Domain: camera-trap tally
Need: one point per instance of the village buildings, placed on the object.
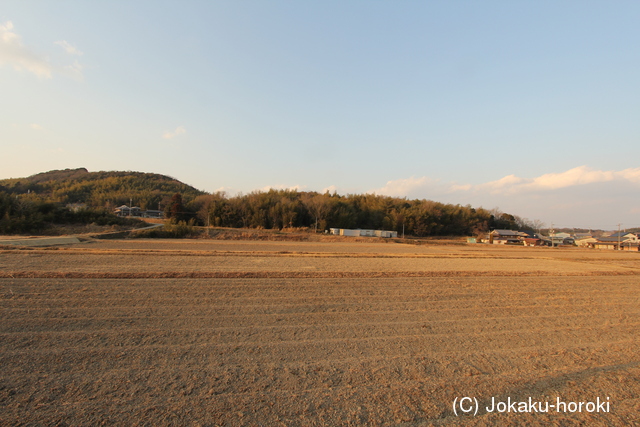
(625, 241)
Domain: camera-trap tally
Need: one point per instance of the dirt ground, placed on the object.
(238, 333)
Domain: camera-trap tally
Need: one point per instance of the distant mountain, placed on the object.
(101, 189)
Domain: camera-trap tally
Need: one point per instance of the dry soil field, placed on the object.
(237, 333)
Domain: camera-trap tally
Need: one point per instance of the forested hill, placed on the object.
(100, 189)
(28, 201)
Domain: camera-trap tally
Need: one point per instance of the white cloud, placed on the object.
(580, 196)
(70, 49)
(14, 53)
(75, 70)
(460, 187)
(35, 126)
(576, 176)
(331, 189)
(408, 186)
(179, 131)
(510, 184)
(225, 190)
(581, 175)
(506, 182)
(631, 175)
(283, 187)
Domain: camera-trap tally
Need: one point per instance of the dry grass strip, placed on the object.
(213, 253)
(294, 274)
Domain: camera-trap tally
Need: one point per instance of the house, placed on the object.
(580, 236)
(562, 235)
(610, 243)
(618, 242)
(533, 241)
(624, 236)
(586, 242)
(150, 213)
(630, 246)
(135, 211)
(502, 237)
(559, 239)
(562, 239)
(125, 210)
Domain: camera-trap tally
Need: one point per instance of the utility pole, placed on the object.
(403, 230)
(618, 236)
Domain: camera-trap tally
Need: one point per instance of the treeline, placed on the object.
(278, 209)
(23, 215)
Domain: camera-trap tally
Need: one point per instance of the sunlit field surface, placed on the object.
(161, 332)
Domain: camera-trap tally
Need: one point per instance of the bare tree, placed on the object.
(317, 206)
(537, 225)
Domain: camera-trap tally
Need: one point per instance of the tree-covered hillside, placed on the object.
(99, 189)
(27, 204)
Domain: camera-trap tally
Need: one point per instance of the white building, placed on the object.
(363, 233)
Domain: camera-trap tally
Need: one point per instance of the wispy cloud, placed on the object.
(226, 190)
(23, 58)
(511, 184)
(69, 48)
(407, 186)
(283, 187)
(75, 70)
(35, 126)
(330, 189)
(172, 134)
(460, 187)
(14, 53)
(581, 175)
(578, 196)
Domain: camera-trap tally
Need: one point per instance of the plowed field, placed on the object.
(316, 334)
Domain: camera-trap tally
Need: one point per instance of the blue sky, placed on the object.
(531, 107)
